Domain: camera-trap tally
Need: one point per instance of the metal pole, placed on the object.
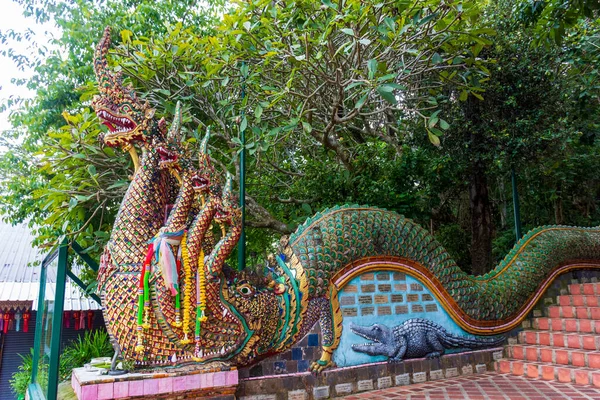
(242, 241)
(517, 211)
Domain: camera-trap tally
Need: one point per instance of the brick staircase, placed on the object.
(565, 346)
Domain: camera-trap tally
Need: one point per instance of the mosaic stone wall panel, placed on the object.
(387, 298)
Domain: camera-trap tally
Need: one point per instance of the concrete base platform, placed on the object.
(217, 383)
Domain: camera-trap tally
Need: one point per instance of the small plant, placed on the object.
(22, 378)
(82, 350)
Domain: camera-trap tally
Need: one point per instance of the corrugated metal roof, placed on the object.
(20, 268)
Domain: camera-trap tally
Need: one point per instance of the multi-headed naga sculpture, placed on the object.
(167, 300)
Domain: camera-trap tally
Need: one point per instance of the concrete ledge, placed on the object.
(186, 384)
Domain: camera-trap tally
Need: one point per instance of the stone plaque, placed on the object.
(367, 277)
(426, 297)
(384, 382)
(297, 395)
(349, 312)
(370, 288)
(402, 380)
(400, 287)
(416, 308)
(467, 369)
(384, 310)
(416, 287)
(412, 297)
(382, 299)
(384, 287)
(431, 307)
(399, 276)
(497, 355)
(436, 374)
(321, 392)
(397, 298)
(401, 309)
(367, 384)
(451, 372)
(350, 289)
(367, 311)
(347, 300)
(481, 368)
(260, 397)
(343, 388)
(365, 300)
(419, 377)
(383, 276)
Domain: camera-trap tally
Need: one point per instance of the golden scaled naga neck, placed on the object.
(134, 156)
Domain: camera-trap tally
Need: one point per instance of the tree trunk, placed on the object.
(482, 228)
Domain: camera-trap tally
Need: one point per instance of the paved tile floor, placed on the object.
(490, 386)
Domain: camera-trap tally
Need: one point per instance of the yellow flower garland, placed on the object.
(187, 295)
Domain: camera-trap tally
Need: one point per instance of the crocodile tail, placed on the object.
(451, 341)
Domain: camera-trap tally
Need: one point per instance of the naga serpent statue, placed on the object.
(167, 300)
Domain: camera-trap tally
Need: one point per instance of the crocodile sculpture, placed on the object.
(241, 318)
(415, 338)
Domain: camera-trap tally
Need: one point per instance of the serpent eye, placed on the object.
(245, 290)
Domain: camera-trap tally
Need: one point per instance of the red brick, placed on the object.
(582, 377)
(561, 356)
(557, 324)
(582, 312)
(543, 323)
(588, 288)
(596, 379)
(531, 353)
(558, 339)
(575, 289)
(595, 312)
(554, 312)
(567, 312)
(574, 341)
(589, 342)
(531, 337)
(585, 325)
(532, 371)
(564, 374)
(594, 360)
(578, 300)
(548, 372)
(517, 352)
(591, 301)
(517, 368)
(571, 325)
(546, 355)
(544, 338)
(578, 358)
(504, 366)
(565, 300)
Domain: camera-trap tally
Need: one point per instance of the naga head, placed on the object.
(127, 118)
(227, 212)
(204, 179)
(170, 150)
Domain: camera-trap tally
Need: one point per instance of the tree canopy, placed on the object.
(419, 106)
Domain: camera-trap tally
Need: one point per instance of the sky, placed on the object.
(11, 17)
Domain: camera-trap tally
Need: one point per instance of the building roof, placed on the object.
(20, 270)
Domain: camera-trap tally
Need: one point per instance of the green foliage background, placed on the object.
(399, 105)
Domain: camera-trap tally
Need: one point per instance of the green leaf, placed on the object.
(477, 95)
(444, 125)
(307, 208)
(348, 31)
(386, 92)
(433, 138)
(243, 124)
(92, 169)
(372, 66)
(437, 59)
(258, 112)
(463, 95)
(306, 126)
(361, 101)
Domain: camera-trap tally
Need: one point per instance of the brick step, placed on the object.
(549, 372)
(585, 288)
(567, 325)
(574, 312)
(560, 339)
(579, 300)
(554, 355)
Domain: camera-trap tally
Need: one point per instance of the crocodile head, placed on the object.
(127, 118)
(383, 341)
